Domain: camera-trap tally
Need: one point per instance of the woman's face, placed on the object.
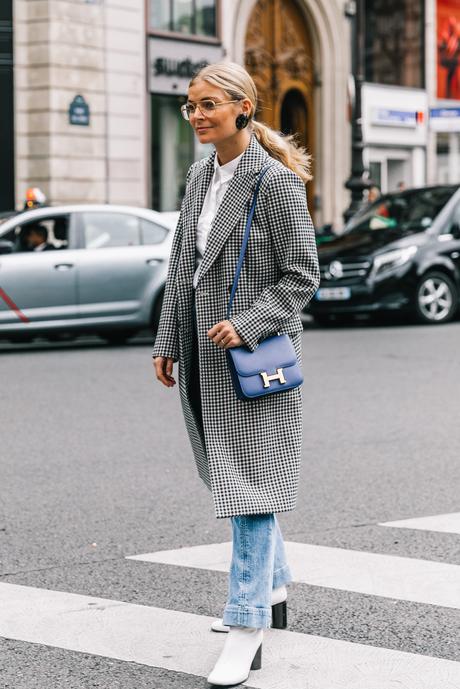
(215, 126)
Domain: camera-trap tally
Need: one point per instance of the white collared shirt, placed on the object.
(216, 190)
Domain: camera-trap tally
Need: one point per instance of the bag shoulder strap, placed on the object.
(246, 238)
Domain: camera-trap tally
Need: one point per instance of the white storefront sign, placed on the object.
(394, 116)
(172, 63)
(395, 134)
(445, 119)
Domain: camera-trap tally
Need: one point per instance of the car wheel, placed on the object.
(156, 312)
(436, 298)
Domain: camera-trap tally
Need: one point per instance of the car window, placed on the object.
(102, 229)
(407, 211)
(54, 230)
(152, 233)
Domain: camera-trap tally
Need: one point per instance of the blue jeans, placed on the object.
(258, 565)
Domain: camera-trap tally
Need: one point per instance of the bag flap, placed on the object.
(273, 352)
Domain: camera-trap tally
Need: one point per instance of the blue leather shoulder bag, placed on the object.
(273, 365)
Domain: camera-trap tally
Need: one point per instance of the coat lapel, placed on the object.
(232, 207)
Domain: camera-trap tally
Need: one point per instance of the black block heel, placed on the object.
(257, 661)
(279, 615)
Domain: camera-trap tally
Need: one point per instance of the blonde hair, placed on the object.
(238, 83)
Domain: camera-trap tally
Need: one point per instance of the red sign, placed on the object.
(448, 49)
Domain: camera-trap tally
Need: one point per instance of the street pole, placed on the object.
(356, 183)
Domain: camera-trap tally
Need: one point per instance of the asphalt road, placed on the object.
(96, 466)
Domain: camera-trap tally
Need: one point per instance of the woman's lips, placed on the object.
(202, 129)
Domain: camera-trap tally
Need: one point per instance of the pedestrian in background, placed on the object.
(373, 193)
(247, 452)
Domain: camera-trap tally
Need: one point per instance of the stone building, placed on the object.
(95, 50)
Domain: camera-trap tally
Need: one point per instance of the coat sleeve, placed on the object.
(294, 243)
(167, 340)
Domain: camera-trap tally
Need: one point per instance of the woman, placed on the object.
(247, 452)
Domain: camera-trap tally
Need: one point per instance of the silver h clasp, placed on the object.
(276, 376)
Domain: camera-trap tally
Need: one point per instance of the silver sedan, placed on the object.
(83, 268)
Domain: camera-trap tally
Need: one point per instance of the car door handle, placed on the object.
(154, 261)
(63, 266)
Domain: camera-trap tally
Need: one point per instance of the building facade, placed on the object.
(98, 86)
(80, 100)
(395, 98)
(443, 83)
(296, 51)
(181, 37)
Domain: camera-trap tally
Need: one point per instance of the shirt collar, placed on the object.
(224, 172)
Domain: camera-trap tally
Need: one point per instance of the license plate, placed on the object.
(333, 293)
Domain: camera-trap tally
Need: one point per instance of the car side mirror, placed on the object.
(6, 247)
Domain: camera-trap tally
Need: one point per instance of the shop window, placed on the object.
(206, 17)
(172, 152)
(182, 16)
(160, 15)
(192, 17)
(394, 42)
(448, 157)
(375, 173)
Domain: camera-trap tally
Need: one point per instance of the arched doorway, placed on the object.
(278, 55)
(294, 115)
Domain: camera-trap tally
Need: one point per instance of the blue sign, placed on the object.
(398, 118)
(445, 119)
(79, 112)
(445, 112)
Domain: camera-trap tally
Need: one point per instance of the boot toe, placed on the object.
(219, 626)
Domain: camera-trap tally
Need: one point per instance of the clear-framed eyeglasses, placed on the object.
(206, 107)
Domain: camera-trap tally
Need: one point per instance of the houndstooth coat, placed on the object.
(247, 453)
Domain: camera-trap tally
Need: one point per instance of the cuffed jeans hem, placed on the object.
(282, 576)
(238, 616)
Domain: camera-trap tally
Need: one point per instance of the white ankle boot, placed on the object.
(242, 653)
(279, 595)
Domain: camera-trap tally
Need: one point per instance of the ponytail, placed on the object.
(284, 148)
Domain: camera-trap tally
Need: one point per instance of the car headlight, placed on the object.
(392, 259)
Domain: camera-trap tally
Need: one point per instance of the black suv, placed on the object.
(402, 252)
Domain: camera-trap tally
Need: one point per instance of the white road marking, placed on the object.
(390, 576)
(445, 523)
(183, 642)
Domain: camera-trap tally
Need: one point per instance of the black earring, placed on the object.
(242, 121)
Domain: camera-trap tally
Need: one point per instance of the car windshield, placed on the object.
(406, 211)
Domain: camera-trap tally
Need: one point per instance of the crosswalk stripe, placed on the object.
(183, 642)
(445, 523)
(390, 576)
